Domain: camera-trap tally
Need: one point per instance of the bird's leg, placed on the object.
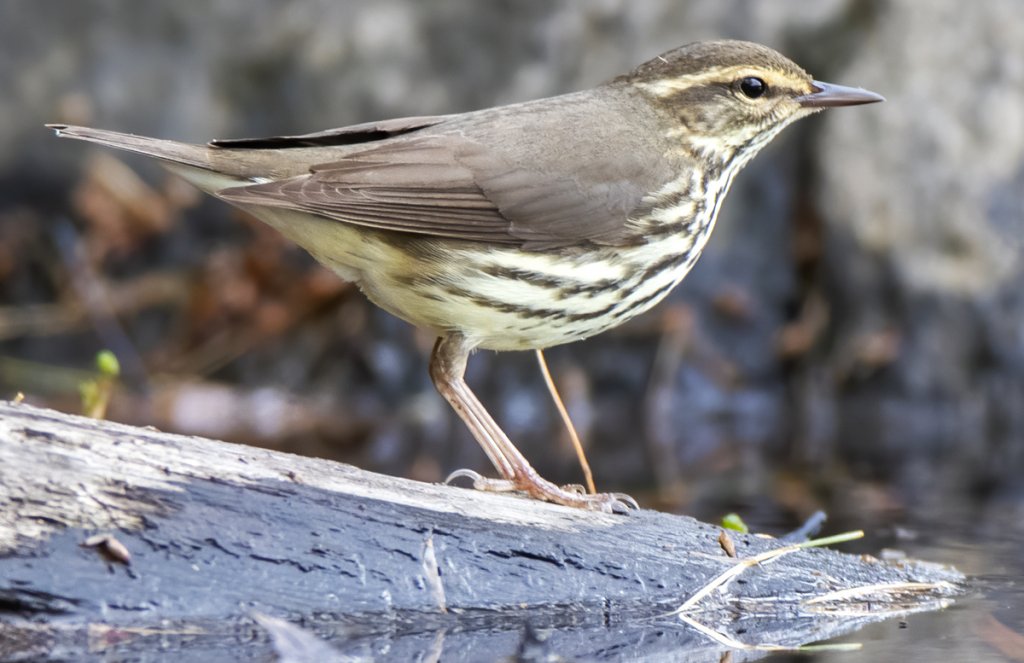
(447, 369)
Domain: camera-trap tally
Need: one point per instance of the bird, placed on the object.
(517, 227)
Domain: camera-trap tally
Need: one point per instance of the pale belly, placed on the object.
(497, 297)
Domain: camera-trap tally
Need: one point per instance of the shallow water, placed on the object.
(986, 624)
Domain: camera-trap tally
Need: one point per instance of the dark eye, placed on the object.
(753, 87)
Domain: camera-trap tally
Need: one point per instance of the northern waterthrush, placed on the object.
(523, 226)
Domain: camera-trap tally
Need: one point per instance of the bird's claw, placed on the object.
(463, 474)
(480, 482)
(625, 502)
(572, 495)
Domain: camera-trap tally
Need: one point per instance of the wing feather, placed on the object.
(467, 181)
(351, 135)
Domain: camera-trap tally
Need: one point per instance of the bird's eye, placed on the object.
(753, 87)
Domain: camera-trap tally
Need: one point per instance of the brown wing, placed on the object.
(460, 181)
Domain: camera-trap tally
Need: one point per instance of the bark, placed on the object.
(129, 540)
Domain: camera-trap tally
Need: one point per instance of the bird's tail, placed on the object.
(204, 166)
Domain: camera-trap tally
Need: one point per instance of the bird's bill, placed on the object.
(827, 95)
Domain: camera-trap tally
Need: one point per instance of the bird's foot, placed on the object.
(572, 495)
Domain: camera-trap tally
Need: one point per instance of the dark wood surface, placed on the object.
(380, 567)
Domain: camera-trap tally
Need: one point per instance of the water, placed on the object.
(986, 542)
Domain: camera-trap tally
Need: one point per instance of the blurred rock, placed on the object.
(924, 233)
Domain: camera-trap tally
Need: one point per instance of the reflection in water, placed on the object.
(983, 540)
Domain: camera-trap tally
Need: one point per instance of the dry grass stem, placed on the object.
(742, 565)
(588, 476)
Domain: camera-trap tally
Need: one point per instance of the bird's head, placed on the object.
(729, 98)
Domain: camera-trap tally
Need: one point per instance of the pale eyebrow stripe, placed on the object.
(669, 86)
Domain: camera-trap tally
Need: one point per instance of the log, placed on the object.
(119, 540)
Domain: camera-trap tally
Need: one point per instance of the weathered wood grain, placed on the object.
(382, 567)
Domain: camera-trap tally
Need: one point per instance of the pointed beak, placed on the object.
(826, 95)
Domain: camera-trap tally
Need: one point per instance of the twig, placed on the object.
(742, 565)
(889, 588)
(577, 445)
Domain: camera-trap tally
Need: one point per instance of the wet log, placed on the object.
(119, 540)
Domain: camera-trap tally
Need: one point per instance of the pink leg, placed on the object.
(447, 370)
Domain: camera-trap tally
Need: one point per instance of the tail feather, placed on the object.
(196, 156)
(209, 168)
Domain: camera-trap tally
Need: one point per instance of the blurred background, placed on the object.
(852, 339)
